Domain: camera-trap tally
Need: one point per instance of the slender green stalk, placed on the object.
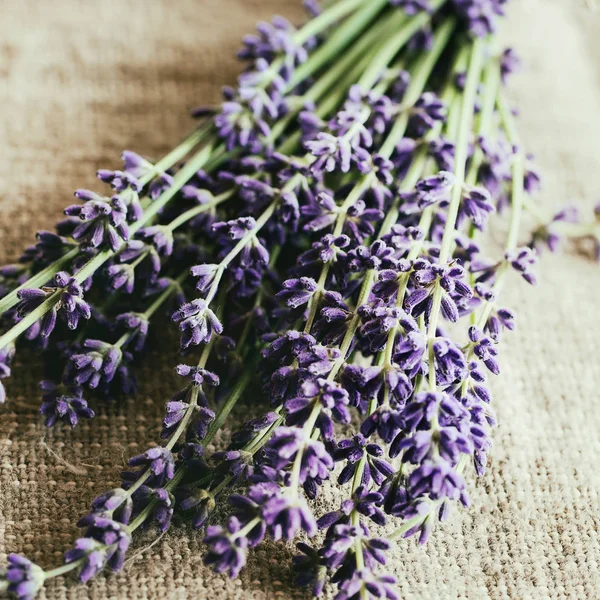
(462, 149)
(338, 41)
(97, 261)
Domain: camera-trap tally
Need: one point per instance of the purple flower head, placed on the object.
(235, 229)
(232, 231)
(6, 356)
(426, 407)
(366, 502)
(274, 40)
(378, 320)
(359, 221)
(103, 220)
(366, 584)
(352, 451)
(227, 548)
(115, 504)
(331, 396)
(136, 166)
(443, 152)
(160, 184)
(450, 362)
(340, 545)
(449, 442)
(437, 479)
(401, 238)
(160, 236)
(337, 153)
(197, 322)
(96, 366)
(24, 577)
(476, 206)
(287, 514)
(198, 376)
(328, 249)
(120, 181)
(310, 569)
(509, 63)
(480, 15)
(121, 277)
(202, 501)
(314, 10)
(245, 116)
(450, 278)
(427, 111)
(297, 292)
(63, 403)
(70, 306)
(164, 502)
(409, 353)
(523, 260)
(104, 545)
(237, 463)
(137, 325)
(206, 275)
(385, 421)
(484, 348)
(363, 384)
(435, 188)
(333, 320)
(159, 460)
(321, 213)
(551, 234)
(284, 446)
(145, 263)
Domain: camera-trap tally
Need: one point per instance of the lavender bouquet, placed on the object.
(323, 234)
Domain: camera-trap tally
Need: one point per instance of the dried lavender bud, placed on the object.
(70, 306)
(104, 546)
(104, 220)
(523, 260)
(64, 403)
(24, 578)
(160, 461)
(197, 322)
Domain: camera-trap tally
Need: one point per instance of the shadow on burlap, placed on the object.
(79, 82)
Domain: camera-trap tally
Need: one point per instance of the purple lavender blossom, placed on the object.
(104, 546)
(227, 547)
(523, 260)
(24, 577)
(6, 356)
(70, 306)
(103, 220)
(96, 366)
(427, 111)
(63, 403)
(159, 460)
(480, 15)
(197, 322)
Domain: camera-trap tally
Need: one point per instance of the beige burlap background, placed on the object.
(80, 81)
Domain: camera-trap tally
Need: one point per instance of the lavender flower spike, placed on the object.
(24, 577)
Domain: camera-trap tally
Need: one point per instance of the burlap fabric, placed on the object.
(82, 80)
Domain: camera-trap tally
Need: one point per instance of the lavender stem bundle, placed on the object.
(326, 238)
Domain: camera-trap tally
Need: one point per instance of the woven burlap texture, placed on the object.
(82, 80)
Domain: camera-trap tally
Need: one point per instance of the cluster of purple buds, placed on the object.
(69, 304)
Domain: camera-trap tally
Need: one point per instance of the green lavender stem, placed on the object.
(95, 263)
(46, 274)
(462, 149)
